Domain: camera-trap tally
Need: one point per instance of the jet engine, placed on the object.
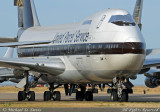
(18, 73)
(152, 80)
(2, 80)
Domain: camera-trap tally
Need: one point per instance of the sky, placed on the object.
(53, 12)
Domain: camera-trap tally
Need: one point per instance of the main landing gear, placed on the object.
(83, 94)
(26, 94)
(117, 91)
(51, 94)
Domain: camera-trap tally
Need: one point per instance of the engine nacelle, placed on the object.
(18, 73)
(2, 80)
(152, 82)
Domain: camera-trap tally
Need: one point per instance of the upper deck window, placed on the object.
(122, 20)
(87, 22)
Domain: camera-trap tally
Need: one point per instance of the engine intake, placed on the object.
(152, 82)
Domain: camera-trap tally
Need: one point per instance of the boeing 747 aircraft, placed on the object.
(106, 48)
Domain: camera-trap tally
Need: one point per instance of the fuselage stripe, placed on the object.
(83, 49)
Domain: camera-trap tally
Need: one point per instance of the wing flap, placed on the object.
(47, 66)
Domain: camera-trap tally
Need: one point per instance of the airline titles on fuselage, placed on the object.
(69, 37)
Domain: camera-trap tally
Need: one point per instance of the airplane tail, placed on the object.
(9, 53)
(27, 16)
(137, 14)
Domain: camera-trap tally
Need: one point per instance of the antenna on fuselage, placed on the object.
(137, 14)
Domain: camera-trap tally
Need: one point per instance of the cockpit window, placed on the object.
(122, 20)
(87, 22)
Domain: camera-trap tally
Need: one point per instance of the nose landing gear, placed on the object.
(118, 93)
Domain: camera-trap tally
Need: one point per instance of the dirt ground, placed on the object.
(136, 90)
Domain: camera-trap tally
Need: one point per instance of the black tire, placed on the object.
(47, 95)
(79, 96)
(31, 96)
(124, 96)
(21, 95)
(57, 96)
(89, 96)
(114, 96)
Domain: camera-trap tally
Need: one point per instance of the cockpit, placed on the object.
(122, 20)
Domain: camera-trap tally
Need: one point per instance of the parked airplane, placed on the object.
(107, 47)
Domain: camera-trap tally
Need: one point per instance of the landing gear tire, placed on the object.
(79, 96)
(47, 95)
(31, 95)
(89, 96)
(124, 97)
(114, 96)
(56, 95)
(21, 95)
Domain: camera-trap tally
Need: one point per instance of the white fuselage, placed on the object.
(94, 50)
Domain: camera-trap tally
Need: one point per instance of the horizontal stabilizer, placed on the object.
(8, 39)
(14, 44)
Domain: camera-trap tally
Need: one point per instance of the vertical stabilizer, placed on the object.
(27, 16)
(137, 14)
(9, 53)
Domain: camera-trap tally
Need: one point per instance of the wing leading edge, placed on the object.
(47, 66)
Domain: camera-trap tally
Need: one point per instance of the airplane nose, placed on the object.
(134, 48)
(131, 59)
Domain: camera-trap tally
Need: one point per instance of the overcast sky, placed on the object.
(52, 12)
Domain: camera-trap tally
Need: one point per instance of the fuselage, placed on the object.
(106, 45)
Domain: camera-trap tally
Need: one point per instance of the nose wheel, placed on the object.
(118, 93)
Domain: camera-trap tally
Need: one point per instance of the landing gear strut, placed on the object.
(26, 94)
(83, 94)
(117, 91)
(51, 94)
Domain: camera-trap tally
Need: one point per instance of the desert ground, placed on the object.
(138, 99)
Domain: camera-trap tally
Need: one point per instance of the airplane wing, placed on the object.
(151, 63)
(148, 64)
(8, 39)
(152, 51)
(14, 44)
(47, 66)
